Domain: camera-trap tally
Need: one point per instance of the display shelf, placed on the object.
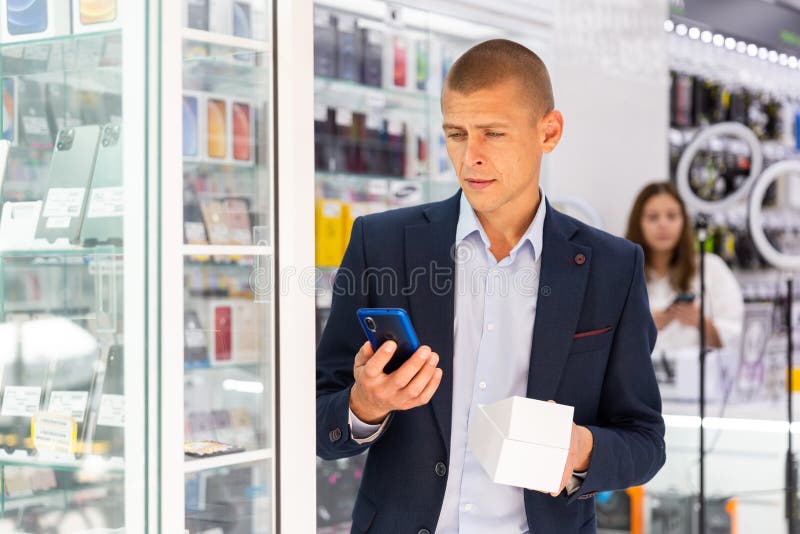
(99, 51)
(230, 41)
(227, 70)
(226, 460)
(226, 250)
(334, 176)
(61, 252)
(206, 367)
(54, 497)
(352, 95)
(87, 464)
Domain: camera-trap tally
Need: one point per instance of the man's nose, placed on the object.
(473, 155)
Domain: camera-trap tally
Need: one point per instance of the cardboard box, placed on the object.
(522, 442)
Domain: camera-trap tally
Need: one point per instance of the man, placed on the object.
(510, 297)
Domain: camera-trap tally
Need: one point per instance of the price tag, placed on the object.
(63, 202)
(53, 433)
(72, 403)
(112, 411)
(106, 202)
(21, 401)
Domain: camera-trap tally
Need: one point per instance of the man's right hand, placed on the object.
(375, 394)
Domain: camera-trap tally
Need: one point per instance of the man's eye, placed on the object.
(495, 134)
(455, 135)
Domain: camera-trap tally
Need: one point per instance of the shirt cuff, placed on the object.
(364, 432)
(575, 482)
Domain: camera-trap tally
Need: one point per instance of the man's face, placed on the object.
(495, 139)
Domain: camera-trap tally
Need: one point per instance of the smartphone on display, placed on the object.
(106, 204)
(242, 127)
(26, 16)
(190, 126)
(217, 120)
(71, 170)
(389, 324)
(687, 298)
(97, 11)
(222, 334)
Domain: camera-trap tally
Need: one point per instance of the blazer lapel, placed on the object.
(430, 270)
(562, 284)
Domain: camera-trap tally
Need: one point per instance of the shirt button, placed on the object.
(482, 385)
(335, 435)
(468, 507)
(490, 327)
(424, 531)
(440, 469)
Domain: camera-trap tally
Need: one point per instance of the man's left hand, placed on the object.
(580, 454)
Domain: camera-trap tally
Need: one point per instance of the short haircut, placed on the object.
(492, 62)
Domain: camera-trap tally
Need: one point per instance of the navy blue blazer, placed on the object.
(591, 283)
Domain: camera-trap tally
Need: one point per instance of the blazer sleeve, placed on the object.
(629, 437)
(337, 350)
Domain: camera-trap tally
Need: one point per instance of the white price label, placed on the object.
(21, 401)
(112, 411)
(58, 222)
(106, 202)
(72, 403)
(35, 125)
(63, 202)
(54, 433)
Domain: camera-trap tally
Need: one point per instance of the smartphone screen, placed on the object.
(190, 128)
(26, 16)
(98, 11)
(241, 131)
(217, 119)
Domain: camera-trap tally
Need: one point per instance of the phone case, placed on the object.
(196, 14)
(106, 204)
(34, 127)
(217, 128)
(94, 15)
(389, 324)
(242, 19)
(112, 384)
(71, 170)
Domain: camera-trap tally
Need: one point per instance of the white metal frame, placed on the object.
(296, 310)
(293, 466)
(134, 17)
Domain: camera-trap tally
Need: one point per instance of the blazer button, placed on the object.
(424, 531)
(335, 435)
(580, 259)
(441, 469)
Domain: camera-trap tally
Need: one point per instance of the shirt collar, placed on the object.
(468, 224)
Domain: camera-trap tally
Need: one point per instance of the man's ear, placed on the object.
(551, 127)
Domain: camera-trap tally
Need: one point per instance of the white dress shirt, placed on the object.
(495, 309)
(724, 306)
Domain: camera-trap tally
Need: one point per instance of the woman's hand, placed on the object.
(687, 313)
(663, 318)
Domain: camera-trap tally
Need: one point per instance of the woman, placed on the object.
(659, 223)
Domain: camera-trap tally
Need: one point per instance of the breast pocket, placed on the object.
(590, 341)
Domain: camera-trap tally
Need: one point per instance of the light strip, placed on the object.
(730, 423)
(742, 47)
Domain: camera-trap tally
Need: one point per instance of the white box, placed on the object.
(522, 442)
(41, 19)
(95, 15)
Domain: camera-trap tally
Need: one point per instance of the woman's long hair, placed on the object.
(683, 264)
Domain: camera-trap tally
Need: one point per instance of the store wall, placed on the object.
(610, 78)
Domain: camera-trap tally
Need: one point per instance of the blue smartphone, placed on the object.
(26, 16)
(389, 324)
(687, 298)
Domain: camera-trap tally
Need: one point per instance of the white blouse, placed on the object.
(724, 307)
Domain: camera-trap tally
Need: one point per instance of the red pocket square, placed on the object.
(592, 332)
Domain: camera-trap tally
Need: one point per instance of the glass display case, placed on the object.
(138, 297)
(69, 450)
